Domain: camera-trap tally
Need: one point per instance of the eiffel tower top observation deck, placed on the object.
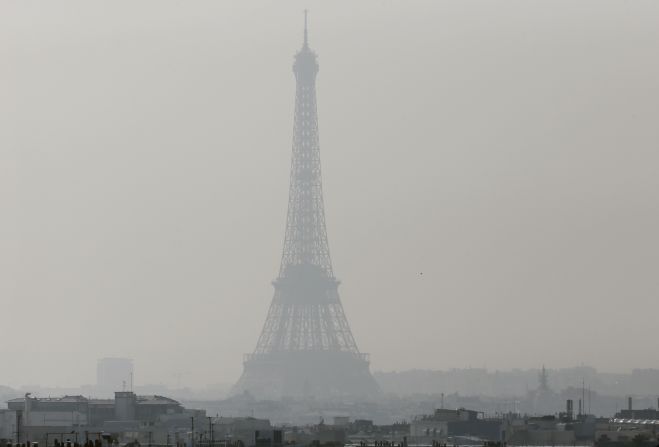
(306, 313)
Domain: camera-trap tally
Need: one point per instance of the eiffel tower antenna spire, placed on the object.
(306, 345)
(306, 34)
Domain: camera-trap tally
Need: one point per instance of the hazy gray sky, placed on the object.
(508, 150)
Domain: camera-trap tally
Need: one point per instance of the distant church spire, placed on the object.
(544, 379)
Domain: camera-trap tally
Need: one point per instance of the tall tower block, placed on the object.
(306, 347)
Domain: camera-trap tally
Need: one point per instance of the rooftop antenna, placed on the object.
(306, 38)
(583, 393)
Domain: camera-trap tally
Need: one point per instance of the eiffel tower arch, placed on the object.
(306, 347)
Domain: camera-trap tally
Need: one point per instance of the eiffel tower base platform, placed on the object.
(307, 374)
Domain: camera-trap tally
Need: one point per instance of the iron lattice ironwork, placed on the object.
(306, 313)
(306, 347)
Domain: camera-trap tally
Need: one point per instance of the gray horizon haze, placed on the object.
(489, 168)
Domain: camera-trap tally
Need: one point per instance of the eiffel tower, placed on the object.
(306, 348)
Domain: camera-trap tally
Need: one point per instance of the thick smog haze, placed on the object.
(489, 169)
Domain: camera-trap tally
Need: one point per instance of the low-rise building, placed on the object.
(127, 417)
(244, 429)
(443, 424)
(619, 431)
(8, 421)
(542, 430)
(318, 435)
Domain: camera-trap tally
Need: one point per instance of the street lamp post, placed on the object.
(210, 430)
(192, 431)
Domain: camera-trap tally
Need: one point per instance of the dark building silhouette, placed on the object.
(306, 347)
